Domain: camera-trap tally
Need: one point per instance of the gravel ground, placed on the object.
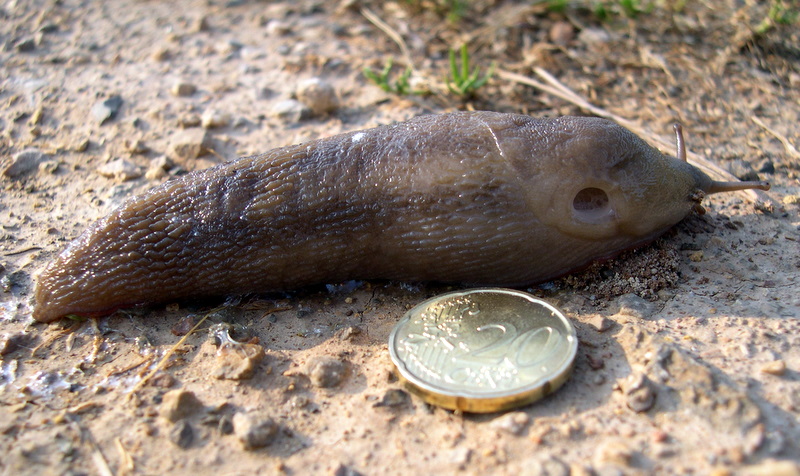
(689, 356)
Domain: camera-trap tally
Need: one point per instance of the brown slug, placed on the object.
(477, 198)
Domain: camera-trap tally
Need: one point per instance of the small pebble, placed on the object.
(639, 392)
(791, 200)
(514, 423)
(190, 144)
(25, 162)
(225, 425)
(212, 119)
(201, 24)
(48, 167)
(343, 470)
(182, 434)
(13, 341)
(635, 306)
(696, 257)
(254, 430)
(135, 146)
(81, 145)
(348, 333)
(777, 367)
(107, 109)
(189, 120)
(26, 45)
(183, 89)
(290, 110)
(561, 33)
(318, 95)
(593, 37)
(613, 452)
(179, 404)
(326, 372)
(120, 169)
(278, 28)
(394, 398)
(158, 167)
(601, 323)
(161, 54)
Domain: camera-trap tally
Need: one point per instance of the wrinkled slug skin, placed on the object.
(477, 198)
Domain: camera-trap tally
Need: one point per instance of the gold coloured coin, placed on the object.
(483, 350)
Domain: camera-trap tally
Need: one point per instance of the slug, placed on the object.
(478, 198)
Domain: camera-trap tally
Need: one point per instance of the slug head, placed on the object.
(598, 181)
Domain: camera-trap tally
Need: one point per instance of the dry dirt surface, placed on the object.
(689, 356)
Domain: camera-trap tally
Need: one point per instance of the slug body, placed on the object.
(479, 198)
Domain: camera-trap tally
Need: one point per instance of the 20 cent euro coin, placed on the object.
(483, 350)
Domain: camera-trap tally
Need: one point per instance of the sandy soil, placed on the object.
(700, 375)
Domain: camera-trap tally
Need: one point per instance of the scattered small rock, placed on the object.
(393, 398)
(343, 470)
(613, 452)
(183, 89)
(461, 455)
(106, 109)
(182, 434)
(290, 110)
(326, 372)
(48, 166)
(212, 119)
(201, 24)
(696, 257)
(25, 162)
(190, 144)
(135, 146)
(777, 367)
(595, 362)
(13, 341)
(189, 120)
(548, 466)
(120, 169)
(238, 363)
(791, 200)
(80, 146)
(639, 392)
(25, 45)
(514, 423)
(278, 28)
(158, 168)
(225, 425)
(161, 54)
(635, 306)
(348, 333)
(318, 95)
(593, 37)
(601, 323)
(254, 430)
(179, 404)
(561, 33)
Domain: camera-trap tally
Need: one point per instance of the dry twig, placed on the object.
(790, 149)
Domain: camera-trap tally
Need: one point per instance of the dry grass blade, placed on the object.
(391, 33)
(790, 149)
(168, 354)
(556, 88)
(126, 467)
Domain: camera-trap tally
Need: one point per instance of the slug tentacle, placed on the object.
(476, 198)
